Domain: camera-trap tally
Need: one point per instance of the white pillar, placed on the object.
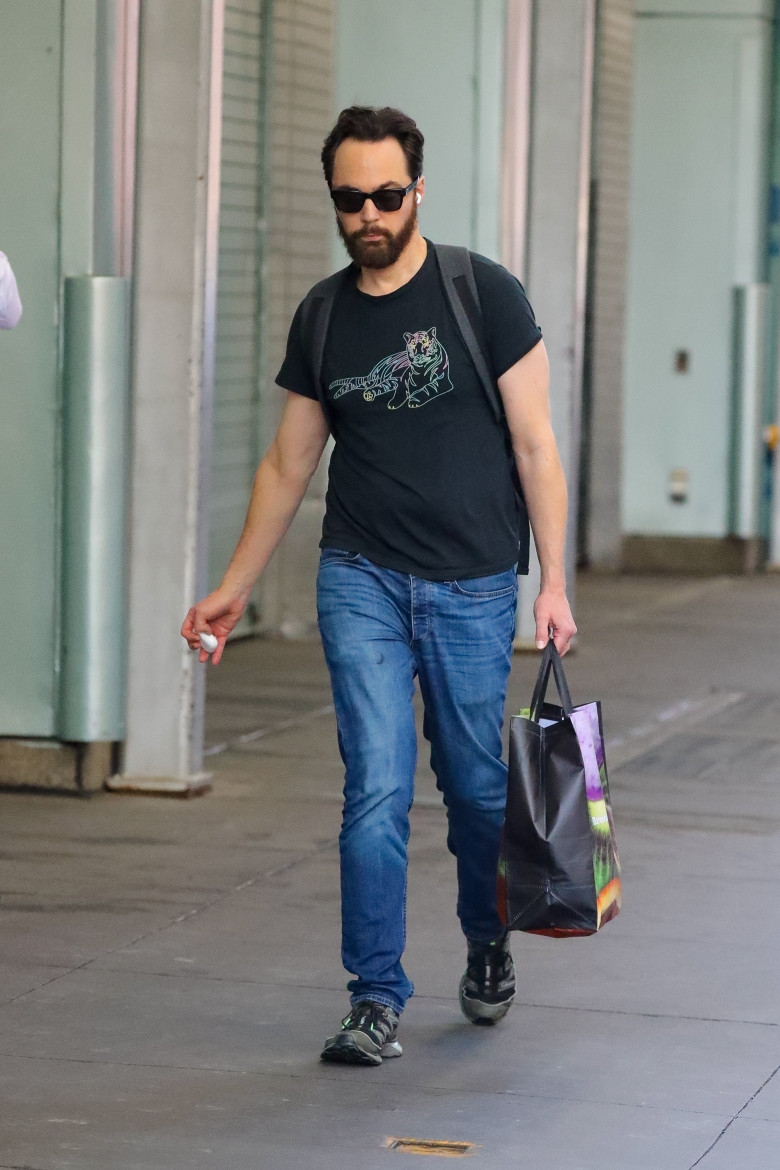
(517, 135)
(177, 201)
(563, 34)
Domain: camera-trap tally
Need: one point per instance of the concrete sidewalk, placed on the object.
(169, 969)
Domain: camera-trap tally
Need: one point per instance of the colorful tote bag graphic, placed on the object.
(559, 872)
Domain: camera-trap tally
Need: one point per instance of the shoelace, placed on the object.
(488, 967)
(370, 1014)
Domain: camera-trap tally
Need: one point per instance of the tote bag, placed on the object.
(559, 872)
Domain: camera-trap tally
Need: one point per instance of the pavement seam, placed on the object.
(672, 598)
(736, 1116)
(271, 729)
(256, 880)
(317, 1076)
(552, 1007)
(625, 749)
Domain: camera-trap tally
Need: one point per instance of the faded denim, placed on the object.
(380, 629)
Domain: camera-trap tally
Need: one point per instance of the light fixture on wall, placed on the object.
(679, 485)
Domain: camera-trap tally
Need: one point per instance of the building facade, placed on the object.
(163, 198)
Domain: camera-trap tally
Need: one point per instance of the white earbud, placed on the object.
(418, 198)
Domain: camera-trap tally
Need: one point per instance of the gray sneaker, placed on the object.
(487, 988)
(367, 1036)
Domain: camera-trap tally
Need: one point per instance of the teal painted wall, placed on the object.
(47, 227)
(698, 207)
(30, 64)
(704, 7)
(441, 61)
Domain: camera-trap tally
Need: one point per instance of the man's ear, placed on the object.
(407, 337)
(432, 331)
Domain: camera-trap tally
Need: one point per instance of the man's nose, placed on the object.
(368, 213)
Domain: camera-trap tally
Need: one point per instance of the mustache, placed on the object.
(371, 231)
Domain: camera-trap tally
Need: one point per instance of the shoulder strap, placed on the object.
(460, 286)
(457, 275)
(315, 319)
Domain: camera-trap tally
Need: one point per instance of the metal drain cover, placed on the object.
(440, 1149)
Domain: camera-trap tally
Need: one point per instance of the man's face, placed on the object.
(374, 239)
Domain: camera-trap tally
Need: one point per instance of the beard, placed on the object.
(379, 253)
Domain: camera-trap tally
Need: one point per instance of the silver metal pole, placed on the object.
(96, 363)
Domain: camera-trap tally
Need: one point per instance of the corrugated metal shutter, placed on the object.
(237, 421)
(299, 253)
(602, 482)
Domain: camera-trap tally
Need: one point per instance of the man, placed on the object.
(10, 303)
(418, 565)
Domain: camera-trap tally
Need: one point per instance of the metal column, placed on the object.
(95, 361)
(174, 319)
(563, 37)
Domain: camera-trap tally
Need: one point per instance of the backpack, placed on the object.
(460, 287)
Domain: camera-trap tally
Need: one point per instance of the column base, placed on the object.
(183, 787)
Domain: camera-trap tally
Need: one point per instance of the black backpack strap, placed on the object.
(460, 287)
(316, 313)
(457, 275)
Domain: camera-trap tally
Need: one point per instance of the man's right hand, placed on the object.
(279, 486)
(216, 614)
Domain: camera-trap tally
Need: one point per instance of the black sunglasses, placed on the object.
(384, 199)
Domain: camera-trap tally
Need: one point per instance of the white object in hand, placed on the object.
(208, 642)
(10, 305)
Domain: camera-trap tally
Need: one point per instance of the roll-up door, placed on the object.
(236, 437)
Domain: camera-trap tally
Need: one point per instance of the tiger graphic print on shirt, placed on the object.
(416, 375)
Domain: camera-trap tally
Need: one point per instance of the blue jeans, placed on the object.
(379, 629)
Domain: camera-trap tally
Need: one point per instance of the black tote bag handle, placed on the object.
(551, 659)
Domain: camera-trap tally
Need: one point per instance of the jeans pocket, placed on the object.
(338, 556)
(487, 588)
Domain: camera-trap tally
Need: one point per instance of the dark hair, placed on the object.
(369, 124)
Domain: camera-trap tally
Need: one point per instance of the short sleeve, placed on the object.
(296, 372)
(510, 324)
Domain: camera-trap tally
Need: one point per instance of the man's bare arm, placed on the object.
(525, 393)
(279, 487)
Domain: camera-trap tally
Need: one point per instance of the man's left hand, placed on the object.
(553, 616)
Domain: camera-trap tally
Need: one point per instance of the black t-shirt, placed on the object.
(420, 478)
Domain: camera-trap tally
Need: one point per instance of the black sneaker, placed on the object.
(367, 1036)
(488, 984)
